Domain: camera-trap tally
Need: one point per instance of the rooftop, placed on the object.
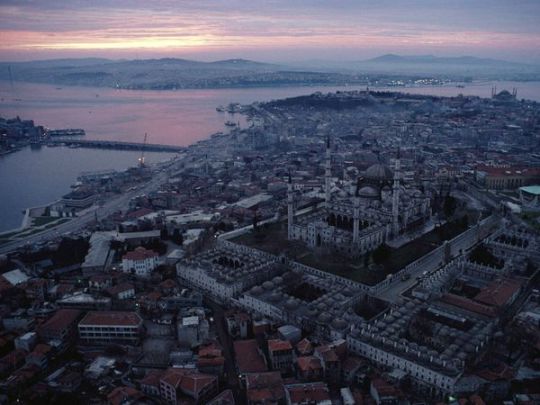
(248, 357)
(111, 318)
(140, 254)
(61, 319)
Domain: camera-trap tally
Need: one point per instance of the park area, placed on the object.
(369, 269)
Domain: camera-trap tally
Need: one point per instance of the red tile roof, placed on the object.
(61, 320)
(501, 371)
(140, 254)
(225, 398)
(309, 363)
(509, 171)
(152, 378)
(120, 288)
(304, 347)
(190, 382)
(384, 388)
(499, 292)
(265, 387)
(279, 345)
(307, 393)
(139, 213)
(111, 318)
(41, 349)
(327, 353)
(119, 395)
(248, 357)
(469, 305)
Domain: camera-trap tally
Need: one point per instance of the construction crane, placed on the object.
(141, 159)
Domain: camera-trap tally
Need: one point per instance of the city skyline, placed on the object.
(269, 31)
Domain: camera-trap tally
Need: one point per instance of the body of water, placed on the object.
(179, 117)
(34, 177)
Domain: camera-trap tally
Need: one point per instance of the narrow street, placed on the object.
(227, 342)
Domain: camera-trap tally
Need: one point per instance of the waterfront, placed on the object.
(33, 177)
(179, 117)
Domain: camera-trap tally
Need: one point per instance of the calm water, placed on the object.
(30, 178)
(170, 117)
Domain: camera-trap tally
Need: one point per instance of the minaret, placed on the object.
(356, 213)
(327, 173)
(290, 209)
(395, 197)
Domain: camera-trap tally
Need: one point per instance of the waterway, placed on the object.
(34, 177)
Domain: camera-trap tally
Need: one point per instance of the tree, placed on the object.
(449, 206)
(380, 254)
(177, 237)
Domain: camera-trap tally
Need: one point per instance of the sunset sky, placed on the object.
(272, 30)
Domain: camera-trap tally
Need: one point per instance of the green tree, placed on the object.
(380, 254)
(449, 206)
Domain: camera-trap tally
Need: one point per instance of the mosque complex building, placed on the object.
(358, 218)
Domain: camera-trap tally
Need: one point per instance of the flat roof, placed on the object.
(531, 189)
(100, 243)
(250, 202)
(15, 277)
(248, 357)
(111, 318)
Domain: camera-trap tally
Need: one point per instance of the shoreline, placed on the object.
(208, 137)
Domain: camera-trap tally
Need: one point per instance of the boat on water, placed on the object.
(220, 108)
(230, 124)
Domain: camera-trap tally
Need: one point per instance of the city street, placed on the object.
(78, 223)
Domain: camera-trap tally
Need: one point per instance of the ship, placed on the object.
(220, 109)
(230, 124)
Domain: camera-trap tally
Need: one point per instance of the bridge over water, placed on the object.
(99, 144)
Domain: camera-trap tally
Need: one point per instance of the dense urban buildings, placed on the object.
(354, 247)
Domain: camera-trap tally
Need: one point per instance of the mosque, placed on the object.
(359, 218)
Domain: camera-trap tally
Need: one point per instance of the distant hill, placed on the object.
(165, 73)
(176, 73)
(423, 59)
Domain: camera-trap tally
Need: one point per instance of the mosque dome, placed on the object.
(368, 192)
(339, 323)
(378, 172)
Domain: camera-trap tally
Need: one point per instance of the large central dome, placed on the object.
(379, 172)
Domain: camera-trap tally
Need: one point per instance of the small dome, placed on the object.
(257, 290)
(379, 172)
(274, 297)
(325, 317)
(312, 311)
(291, 304)
(268, 285)
(339, 323)
(368, 192)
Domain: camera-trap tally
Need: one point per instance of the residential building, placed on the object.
(176, 383)
(140, 262)
(111, 327)
(281, 354)
(61, 327)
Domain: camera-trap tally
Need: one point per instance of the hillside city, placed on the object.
(356, 247)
